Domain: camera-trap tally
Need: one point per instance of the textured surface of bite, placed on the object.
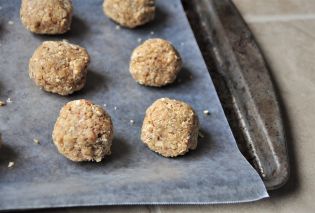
(59, 67)
(83, 131)
(170, 127)
(155, 63)
(130, 13)
(46, 16)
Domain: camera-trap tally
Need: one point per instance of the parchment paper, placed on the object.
(215, 172)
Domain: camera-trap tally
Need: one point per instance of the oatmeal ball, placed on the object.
(46, 16)
(59, 67)
(170, 128)
(83, 131)
(155, 63)
(130, 13)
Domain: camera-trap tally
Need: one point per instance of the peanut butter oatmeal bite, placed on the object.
(170, 128)
(130, 13)
(83, 131)
(155, 63)
(59, 67)
(46, 16)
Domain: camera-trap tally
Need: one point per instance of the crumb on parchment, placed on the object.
(206, 112)
(11, 164)
(36, 141)
(0, 140)
(200, 134)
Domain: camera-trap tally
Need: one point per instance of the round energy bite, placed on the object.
(83, 131)
(46, 16)
(59, 67)
(170, 128)
(130, 13)
(155, 63)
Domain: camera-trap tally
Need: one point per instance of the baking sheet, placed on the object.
(215, 172)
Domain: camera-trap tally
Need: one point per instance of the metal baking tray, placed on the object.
(216, 172)
(244, 85)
